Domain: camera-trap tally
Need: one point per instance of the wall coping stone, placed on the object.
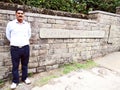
(103, 12)
(46, 16)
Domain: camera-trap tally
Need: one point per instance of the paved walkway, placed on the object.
(98, 78)
(105, 77)
(110, 61)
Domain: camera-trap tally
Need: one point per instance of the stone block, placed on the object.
(34, 53)
(42, 20)
(33, 65)
(71, 45)
(33, 70)
(42, 52)
(59, 26)
(41, 69)
(12, 17)
(56, 51)
(60, 21)
(30, 19)
(3, 17)
(51, 67)
(51, 21)
(33, 59)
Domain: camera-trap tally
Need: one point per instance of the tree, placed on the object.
(74, 6)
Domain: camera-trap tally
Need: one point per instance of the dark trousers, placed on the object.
(19, 55)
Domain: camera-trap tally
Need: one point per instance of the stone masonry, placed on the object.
(118, 10)
(50, 53)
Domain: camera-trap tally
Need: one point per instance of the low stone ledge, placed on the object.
(103, 12)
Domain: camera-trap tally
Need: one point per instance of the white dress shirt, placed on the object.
(18, 33)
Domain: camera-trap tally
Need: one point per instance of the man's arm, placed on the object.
(29, 31)
(8, 34)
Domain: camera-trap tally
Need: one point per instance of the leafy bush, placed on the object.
(74, 6)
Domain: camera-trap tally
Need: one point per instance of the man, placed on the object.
(18, 32)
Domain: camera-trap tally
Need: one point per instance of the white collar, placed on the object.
(18, 22)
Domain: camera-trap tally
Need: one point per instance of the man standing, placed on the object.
(18, 32)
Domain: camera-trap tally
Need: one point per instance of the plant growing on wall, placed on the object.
(74, 6)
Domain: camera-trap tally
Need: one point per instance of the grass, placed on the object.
(67, 68)
(46, 79)
(30, 74)
(75, 66)
(1, 83)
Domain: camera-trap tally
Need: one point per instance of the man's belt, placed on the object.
(19, 46)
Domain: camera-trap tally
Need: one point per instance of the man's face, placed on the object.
(20, 15)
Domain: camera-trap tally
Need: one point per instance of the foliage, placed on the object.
(76, 66)
(74, 6)
(1, 83)
(44, 80)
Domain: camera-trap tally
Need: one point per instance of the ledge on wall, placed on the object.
(94, 14)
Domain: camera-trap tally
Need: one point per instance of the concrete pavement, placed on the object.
(97, 78)
(110, 61)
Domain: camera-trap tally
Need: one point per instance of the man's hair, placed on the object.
(19, 9)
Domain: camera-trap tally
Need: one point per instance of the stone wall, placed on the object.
(118, 10)
(49, 53)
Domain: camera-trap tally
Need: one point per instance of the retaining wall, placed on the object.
(51, 46)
